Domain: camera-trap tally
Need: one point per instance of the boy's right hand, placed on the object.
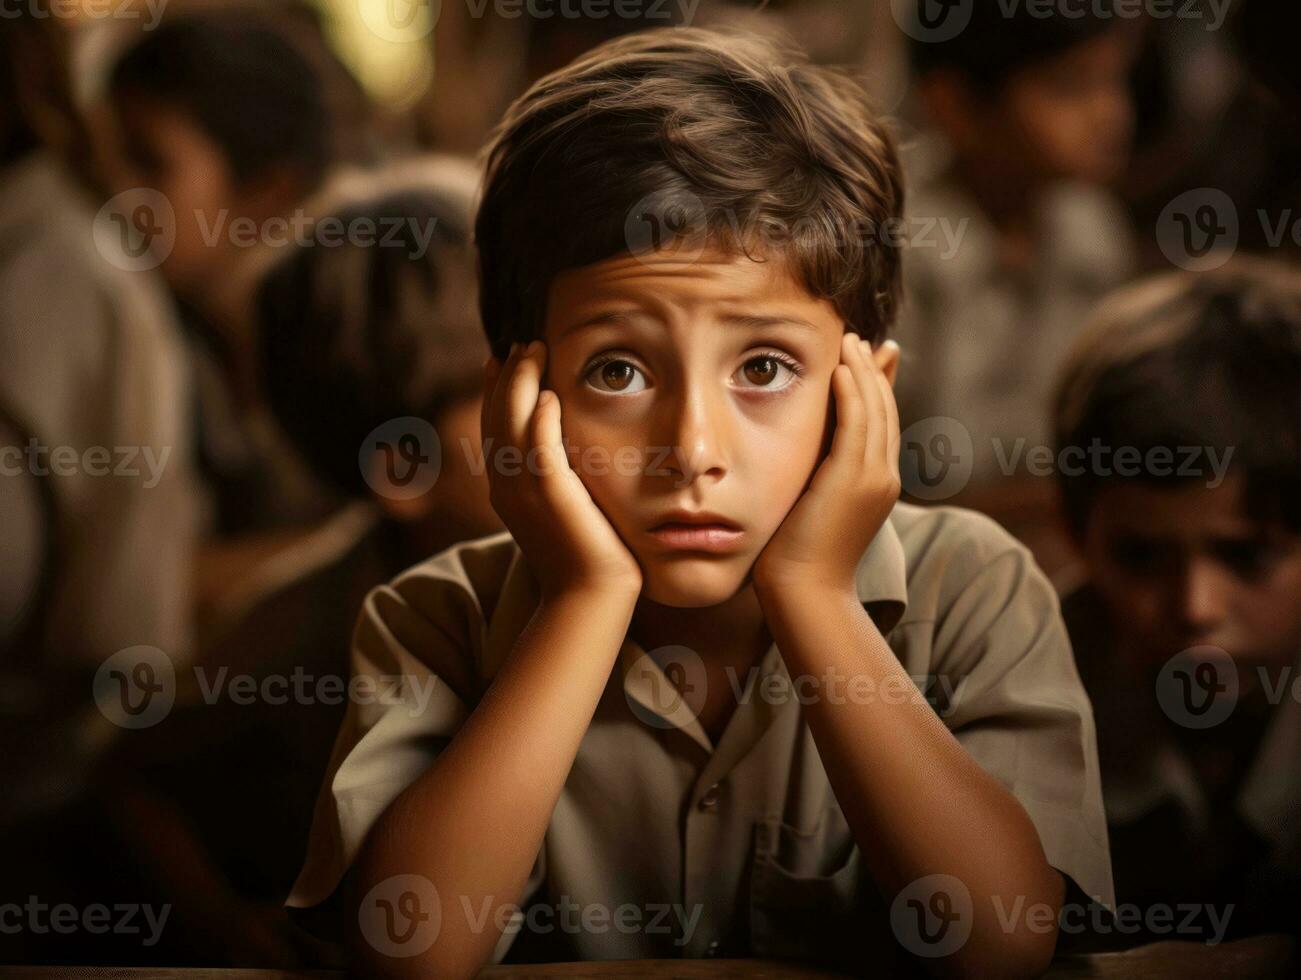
(569, 543)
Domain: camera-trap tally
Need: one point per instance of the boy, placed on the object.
(1029, 118)
(615, 742)
(226, 117)
(1188, 627)
(356, 338)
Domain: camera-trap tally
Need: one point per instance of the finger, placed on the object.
(851, 418)
(887, 365)
(544, 436)
(891, 422)
(877, 433)
(522, 396)
(497, 409)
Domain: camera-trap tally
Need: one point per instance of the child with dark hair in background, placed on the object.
(225, 122)
(1029, 117)
(368, 340)
(1178, 428)
(352, 338)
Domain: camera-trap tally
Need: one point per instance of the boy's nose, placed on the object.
(1204, 598)
(699, 434)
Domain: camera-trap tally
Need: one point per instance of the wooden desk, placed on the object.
(1259, 958)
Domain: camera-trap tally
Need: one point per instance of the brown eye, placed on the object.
(617, 374)
(616, 377)
(761, 371)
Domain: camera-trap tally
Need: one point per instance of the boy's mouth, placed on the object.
(697, 531)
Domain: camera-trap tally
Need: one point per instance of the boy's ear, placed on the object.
(886, 356)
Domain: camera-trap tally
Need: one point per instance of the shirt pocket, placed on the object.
(805, 890)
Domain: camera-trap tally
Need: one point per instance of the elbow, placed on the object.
(1027, 955)
(445, 964)
(1019, 955)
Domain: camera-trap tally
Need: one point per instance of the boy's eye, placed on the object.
(1246, 559)
(1139, 554)
(616, 376)
(767, 371)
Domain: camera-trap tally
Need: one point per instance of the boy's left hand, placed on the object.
(854, 488)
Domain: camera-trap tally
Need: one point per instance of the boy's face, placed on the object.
(692, 386)
(1183, 567)
(1073, 116)
(1069, 117)
(166, 152)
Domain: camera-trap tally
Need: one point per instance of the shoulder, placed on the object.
(104, 329)
(952, 542)
(433, 617)
(453, 593)
(967, 573)
(475, 570)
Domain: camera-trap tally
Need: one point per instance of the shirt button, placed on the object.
(709, 799)
(712, 948)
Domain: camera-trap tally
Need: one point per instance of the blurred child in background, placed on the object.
(1013, 235)
(1187, 627)
(97, 498)
(227, 121)
(368, 338)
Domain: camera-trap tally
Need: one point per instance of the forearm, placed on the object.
(474, 821)
(916, 802)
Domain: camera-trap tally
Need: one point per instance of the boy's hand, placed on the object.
(823, 537)
(568, 542)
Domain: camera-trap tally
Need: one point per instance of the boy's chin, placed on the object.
(693, 583)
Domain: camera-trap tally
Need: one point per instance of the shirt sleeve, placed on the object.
(1019, 707)
(414, 679)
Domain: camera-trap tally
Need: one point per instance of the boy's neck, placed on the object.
(732, 633)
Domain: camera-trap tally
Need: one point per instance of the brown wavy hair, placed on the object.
(732, 138)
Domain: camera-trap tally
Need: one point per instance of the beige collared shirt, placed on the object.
(689, 849)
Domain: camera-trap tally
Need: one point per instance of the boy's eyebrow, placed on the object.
(748, 320)
(605, 316)
(756, 321)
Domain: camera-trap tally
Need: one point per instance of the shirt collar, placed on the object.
(880, 581)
